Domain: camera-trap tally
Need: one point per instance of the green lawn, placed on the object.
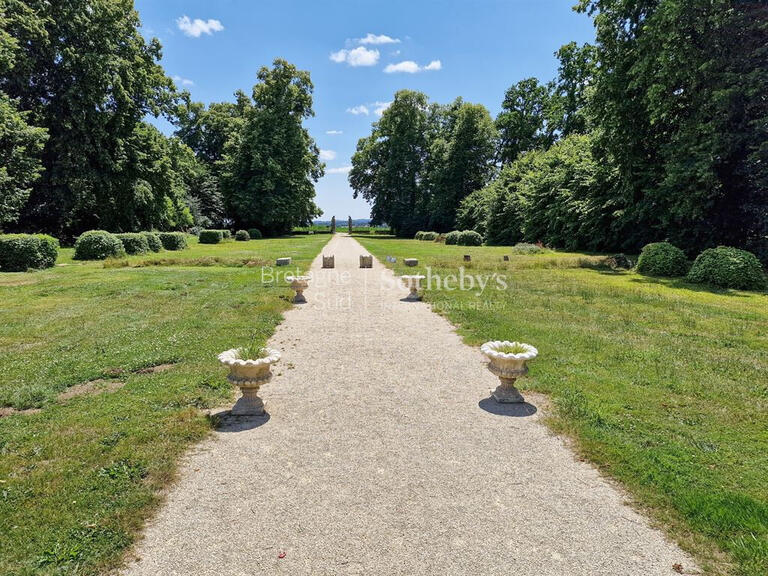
(663, 384)
(79, 476)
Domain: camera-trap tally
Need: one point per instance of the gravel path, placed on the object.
(383, 455)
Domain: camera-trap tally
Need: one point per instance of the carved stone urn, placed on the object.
(298, 285)
(249, 375)
(508, 360)
(413, 283)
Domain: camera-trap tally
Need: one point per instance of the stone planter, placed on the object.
(298, 285)
(329, 261)
(508, 360)
(249, 375)
(411, 262)
(283, 261)
(413, 283)
(366, 261)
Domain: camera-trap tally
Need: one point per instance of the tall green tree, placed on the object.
(568, 108)
(524, 121)
(271, 164)
(84, 72)
(388, 167)
(461, 160)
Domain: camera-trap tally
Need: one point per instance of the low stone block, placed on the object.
(366, 261)
(329, 261)
(506, 258)
(467, 258)
(283, 261)
(411, 262)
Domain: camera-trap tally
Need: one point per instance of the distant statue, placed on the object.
(333, 225)
(349, 222)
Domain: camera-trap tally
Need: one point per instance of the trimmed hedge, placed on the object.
(173, 240)
(242, 236)
(225, 234)
(211, 236)
(20, 252)
(662, 259)
(98, 245)
(470, 238)
(452, 238)
(153, 241)
(426, 236)
(134, 242)
(728, 268)
(254, 233)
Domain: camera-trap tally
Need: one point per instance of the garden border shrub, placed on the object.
(210, 236)
(662, 259)
(254, 233)
(98, 245)
(134, 242)
(153, 241)
(452, 238)
(242, 236)
(470, 238)
(21, 252)
(173, 240)
(728, 267)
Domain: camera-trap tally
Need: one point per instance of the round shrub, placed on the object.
(98, 245)
(242, 236)
(225, 234)
(153, 241)
(173, 240)
(470, 238)
(527, 248)
(254, 233)
(728, 268)
(20, 252)
(452, 238)
(662, 259)
(210, 236)
(429, 236)
(418, 235)
(134, 243)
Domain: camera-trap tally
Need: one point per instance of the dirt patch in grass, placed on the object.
(8, 411)
(90, 388)
(155, 369)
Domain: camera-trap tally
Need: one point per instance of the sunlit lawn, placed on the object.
(664, 384)
(80, 476)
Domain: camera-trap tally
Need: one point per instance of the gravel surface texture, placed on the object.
(382, 454)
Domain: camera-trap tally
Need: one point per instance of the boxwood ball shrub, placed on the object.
(134, 243)
(20, 252)
(210, 236)
(225, 234)
(254, 233)
(98, 245)
(728, 268)
(470, 238)
(242, 236)
(153, 241)
(173, 240)
(452, 238)
(418, 235)
(662, 259)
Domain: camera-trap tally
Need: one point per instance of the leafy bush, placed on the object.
(470, 238)
(210, 236)
(226, 234)
(19, 252)
(619, 261)
(526, 248)
(153, 241)
(242, 236)
(173, 240)
(452, 238)
(662, 259)
(254, 233)
(426, 236)
(418, 235)
(98, 245)
(728, 268)
(134, 243)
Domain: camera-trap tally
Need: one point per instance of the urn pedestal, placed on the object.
(299, 284)
(249, 375)
(413, 283)
(508, 361)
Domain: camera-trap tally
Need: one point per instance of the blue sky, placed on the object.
(359, 54)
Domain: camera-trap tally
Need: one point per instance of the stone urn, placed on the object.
(508, 360)
(413, 283)
(298, 285)
(249, 375)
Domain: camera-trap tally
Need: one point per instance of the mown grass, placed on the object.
(663, 384)
(79, 477)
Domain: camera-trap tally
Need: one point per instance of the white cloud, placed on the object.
(380, 39)
(334, 132)
(327, 154)
(198, 27)
(358, 110)
(380, 107)
(340, 170)
(410, 67)
(360, 56)
(183, 81)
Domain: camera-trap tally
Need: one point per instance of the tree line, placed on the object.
(77, 82)
(658, 131)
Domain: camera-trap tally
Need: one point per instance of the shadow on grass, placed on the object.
(681, 284)
(224, 421)
(515, 410)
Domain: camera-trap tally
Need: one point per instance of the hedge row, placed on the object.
(210, 236)
(20, 252)
(464, 238)
(426, 236)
